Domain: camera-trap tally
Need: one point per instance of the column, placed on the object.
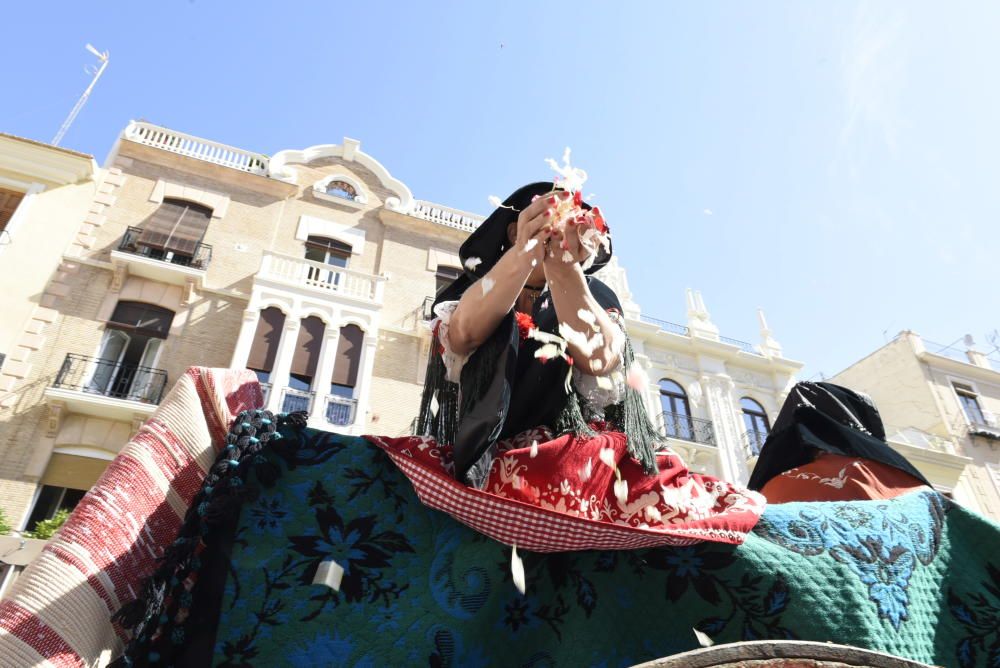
(283, 362)
(245, 339)
(324, 374)
(367, 365)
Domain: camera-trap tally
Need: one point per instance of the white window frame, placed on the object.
(30, 190)
(952, 380)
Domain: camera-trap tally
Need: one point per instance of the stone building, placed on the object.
(940, 405)
(315, 268)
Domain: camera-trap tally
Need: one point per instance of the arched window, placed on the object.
(755, 420)
(342, 189)
(266, 338)
(174, 232)
(676, 410)
(341, 404)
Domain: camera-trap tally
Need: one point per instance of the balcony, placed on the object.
(293, 401)
(197, 148)
(107, 388)
(427, 309)
(666, 325)
(442, 215)
(158, 264)
(132, 245)
(296, 272)
(340, 411)
(687, 428)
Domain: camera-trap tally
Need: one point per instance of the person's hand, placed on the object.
(535, 226)
(574, 239)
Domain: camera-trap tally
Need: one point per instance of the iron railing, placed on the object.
(132, 245)
(340, 410)
(110, 378)
(666, 325)
(743, 345)
(293, 400)
(946, 351)
(265, 389)
(753, 441)
(687, 428)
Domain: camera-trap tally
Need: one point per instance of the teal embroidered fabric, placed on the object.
(917, 576)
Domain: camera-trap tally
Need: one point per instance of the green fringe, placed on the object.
(631, 418)
(571, 419)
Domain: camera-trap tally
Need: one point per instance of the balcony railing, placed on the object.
(265, 389)
(753, 441)
(687, 428)
(304, 273)
(296, 400)
(427, 310)
(340, 410)
(132, 245)
(666, 325)
(109, 378)
(443, 215)
(743, 345)
(196, 147)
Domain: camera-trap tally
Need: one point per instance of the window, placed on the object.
(52, 499)
(264, 348)
(676, 411)
(326, 251)
(9, 201)
(125, 367)
(174, 231)
(342, 189)
(306, 356)
(340, 405)
(755, 420)
(969, 401)
(445, 276)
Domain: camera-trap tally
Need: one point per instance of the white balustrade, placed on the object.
(196, 147)
(319, 276)
(443, 215)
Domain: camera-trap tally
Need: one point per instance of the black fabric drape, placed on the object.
(827, 417)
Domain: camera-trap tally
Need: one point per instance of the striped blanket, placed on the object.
(917, 576)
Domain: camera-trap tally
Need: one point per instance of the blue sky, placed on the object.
(837, 164)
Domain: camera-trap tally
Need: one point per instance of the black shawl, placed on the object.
(828, 417)
(504, 389)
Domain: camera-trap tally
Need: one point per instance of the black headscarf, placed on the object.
(504, 389)
(827, 417)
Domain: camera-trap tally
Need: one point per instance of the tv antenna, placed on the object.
(89, 69)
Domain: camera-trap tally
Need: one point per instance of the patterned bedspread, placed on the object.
(917, 576)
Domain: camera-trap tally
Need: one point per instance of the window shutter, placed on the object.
(145, 319)
(348, 361)
(307, 348)
(9, 201)
(264, 348)
(176, 226)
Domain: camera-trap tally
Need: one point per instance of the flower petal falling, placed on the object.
(472, 263)
(517, 571)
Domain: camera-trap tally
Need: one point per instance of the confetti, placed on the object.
(530, 245)
(587, 316)
(604, 382)
(567, 256)
(517, 571)
(548, 351)
(329, 573)
(703, 638)
(587, 470)
(570, 177)
(434, 404)
(534, 449)
(488, 284)
(472, 263)
(607, 456)
(621, 491)
(495, 201)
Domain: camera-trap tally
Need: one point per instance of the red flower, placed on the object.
(578, 197)
(599, 223)
(524, 324)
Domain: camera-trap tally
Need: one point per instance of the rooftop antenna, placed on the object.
(90, 69)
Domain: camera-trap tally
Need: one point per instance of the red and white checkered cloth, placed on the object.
(58, 612)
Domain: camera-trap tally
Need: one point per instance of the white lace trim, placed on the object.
(453, 362)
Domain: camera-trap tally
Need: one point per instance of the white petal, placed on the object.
(530, 244)
(548, 351)
(587, 470)
(608, 457)
(568, 385)
(567, 256)
(495, 201)
(534, 263)
(587, 316)
(604, 382)
(329, 573)
(488, 284)
(597, 364)
(637, 379)
(534, 449)
(621, 491)
(472, 263)
(703, 639)
(434, 404)
(517, 570)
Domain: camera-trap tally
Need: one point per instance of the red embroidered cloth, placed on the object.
(548, 494)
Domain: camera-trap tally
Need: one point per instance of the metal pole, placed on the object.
(83, 98)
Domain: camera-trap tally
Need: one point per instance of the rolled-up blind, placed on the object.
(264, 348)
(345, 369)
(176, 226)
(145, 319)
(9, 201)
(307, 348)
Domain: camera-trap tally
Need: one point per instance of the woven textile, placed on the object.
(58, 612)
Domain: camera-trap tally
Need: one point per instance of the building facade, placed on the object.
(940, 405)
(315, 268)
